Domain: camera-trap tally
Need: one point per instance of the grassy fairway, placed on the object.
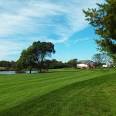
(59, 93)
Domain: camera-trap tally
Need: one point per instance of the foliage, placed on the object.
(26, 60)
(72, 63)
(103, 19)
(55, 64)
(35, 55)
(7, 65)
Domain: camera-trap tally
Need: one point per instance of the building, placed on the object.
(86, 64)
(107, 65)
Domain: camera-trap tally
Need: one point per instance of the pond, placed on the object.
(7, 72)
(14, 72)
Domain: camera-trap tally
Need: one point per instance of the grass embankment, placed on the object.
(59, 93)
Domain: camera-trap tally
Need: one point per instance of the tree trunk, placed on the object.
(30, 71)
(40, 70)
(41, 66)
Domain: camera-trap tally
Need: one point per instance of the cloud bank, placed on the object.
(25, 21)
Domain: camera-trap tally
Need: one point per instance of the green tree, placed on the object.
(55, 64)
(8, 65)
(35, 55)
(42, 50)
(72, 63)
(103, 19)
(26, 60)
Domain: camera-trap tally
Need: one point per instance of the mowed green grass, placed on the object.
(59, 93)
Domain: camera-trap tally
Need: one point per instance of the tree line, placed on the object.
(20, 66)
(48, 64)
(7, 65)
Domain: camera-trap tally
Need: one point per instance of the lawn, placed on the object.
(59, 93)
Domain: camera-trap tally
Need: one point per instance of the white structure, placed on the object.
(108, 64)
(86, 64)
(105, 66)
(82, 66)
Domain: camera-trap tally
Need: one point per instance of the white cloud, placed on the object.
(8, 48)
(46, 20)
(23, 17)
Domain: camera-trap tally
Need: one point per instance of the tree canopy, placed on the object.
(34, 56)
(103, 19)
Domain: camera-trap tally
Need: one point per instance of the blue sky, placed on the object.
(59, 21)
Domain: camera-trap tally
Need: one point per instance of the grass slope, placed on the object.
(62, 93)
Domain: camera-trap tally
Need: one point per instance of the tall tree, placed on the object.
(103, 19)
(42, 50)
(35, 55)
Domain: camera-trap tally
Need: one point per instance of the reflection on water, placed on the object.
(7, 72)
(14, 72)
